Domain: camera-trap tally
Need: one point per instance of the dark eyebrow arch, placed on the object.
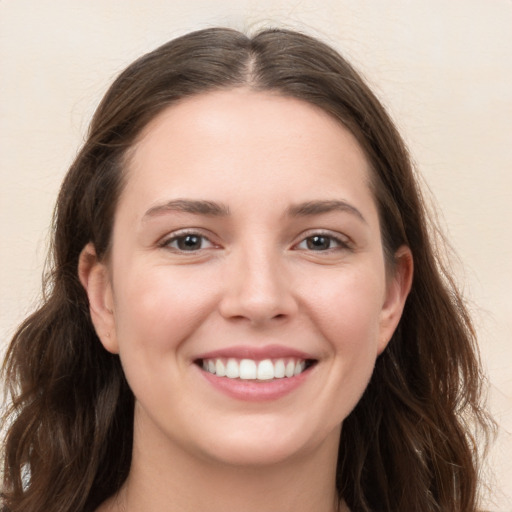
(198, 207)
(323, 206)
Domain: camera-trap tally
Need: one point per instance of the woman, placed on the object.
(232, 321)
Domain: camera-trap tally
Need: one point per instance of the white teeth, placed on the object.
(265, 370)
(232, 369)
(220, 369)
(290, 368)
(279, 369)
(249, 369)
(299, 368)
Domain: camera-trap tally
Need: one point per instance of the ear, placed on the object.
(94, 276)
(398, 288)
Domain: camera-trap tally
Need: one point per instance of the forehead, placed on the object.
(244, 141)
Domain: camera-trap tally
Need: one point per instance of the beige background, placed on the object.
(442, 67)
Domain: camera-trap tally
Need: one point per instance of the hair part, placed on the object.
(405, 446)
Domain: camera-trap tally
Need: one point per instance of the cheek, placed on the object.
(157, 311)
(343, 308)
(157, 308)
(347, 309)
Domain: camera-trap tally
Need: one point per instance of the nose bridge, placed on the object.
(257, 287)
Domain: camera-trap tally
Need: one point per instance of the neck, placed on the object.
(170, 479)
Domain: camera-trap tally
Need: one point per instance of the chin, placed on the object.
(267, 446)
(255, 455)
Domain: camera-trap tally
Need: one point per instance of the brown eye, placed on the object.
(188, 242)
(319, 243)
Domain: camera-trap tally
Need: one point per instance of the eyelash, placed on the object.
(340, 244)
(182, 236)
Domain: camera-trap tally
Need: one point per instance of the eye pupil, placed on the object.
(318, 243)
(189, 242)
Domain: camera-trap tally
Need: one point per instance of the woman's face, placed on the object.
(246, 242)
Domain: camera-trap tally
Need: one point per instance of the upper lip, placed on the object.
(256, 353)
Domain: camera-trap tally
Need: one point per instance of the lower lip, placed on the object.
(253, 391)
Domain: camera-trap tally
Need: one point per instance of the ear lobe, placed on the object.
(93, 275)
(398, 289)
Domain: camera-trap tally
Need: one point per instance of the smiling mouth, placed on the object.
(255, 370)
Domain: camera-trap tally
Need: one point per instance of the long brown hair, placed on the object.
(407, 446)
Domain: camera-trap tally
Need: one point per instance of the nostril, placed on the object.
(257, 305)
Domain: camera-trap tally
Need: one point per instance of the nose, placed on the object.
(258, 289)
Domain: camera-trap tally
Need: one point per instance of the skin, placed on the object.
(255, 279)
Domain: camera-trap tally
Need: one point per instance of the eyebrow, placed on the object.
(213, 209)
(198, 207)
(323, 206)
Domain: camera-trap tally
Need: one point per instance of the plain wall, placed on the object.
(442, 68)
